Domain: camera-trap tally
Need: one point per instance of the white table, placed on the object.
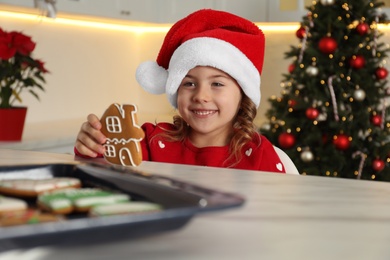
(284, 217)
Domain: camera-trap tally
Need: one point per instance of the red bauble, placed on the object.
(286, 140)
(376, 120)
(378, 165)
(312, 113)
(292, 103)
(341, 142)
(291, 67)
(301, 33)
(362, 28)
(381, 73)
(327, 45)
(357, 62)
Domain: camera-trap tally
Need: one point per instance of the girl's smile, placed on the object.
(204, 113)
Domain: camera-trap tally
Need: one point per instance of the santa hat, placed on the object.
(207, 38)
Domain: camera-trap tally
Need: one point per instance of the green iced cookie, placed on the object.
(68, 200)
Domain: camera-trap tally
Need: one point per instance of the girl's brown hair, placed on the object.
(243, 125)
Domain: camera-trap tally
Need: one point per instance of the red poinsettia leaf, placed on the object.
(41, 66)
(7, 51)
(23, 43)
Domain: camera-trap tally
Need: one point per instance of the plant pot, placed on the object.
(12, 123)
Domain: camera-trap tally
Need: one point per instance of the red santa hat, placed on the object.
(207, 38)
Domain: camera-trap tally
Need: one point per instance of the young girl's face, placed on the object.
(208, 100)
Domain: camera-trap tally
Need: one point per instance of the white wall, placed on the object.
(94, 67)
(90, 68)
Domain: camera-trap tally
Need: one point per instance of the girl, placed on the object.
(209, 66)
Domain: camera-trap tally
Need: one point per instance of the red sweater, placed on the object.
(255, 157)
(262, 157)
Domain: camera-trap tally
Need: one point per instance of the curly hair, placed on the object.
(244, 130)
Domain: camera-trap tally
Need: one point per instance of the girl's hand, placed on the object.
(90, 139)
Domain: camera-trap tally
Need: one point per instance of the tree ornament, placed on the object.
(359, 94)
(312, 113)
(362, 28)
(286, 140)
(381, 73)
(333, 95)
(291, 103)
(363, 157)
(376, 120)
(327, 2)
(291, 68)
(378, 165)
(307, 156)
(301, 32)
(266, 127)
(327, 45)
(341, 142)
(357, 61)
(312, 71)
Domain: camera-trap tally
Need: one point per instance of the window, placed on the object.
(113, 124)
(110, 151)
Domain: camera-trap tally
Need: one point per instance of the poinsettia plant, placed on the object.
(19, 71)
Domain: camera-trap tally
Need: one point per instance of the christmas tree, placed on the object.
(332, 116)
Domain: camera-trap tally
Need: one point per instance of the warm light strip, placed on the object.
(144, 28)
(85, 23)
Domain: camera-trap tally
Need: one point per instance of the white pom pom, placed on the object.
(152, 77)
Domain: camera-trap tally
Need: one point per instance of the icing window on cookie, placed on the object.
(110, 151)
(113, 124)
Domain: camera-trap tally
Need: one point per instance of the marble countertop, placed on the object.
(284, 217)
(43, 136)
(59, 136)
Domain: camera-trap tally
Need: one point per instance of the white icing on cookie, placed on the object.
(12, 204)
(40, 185)
(88, 201)
(124, 208)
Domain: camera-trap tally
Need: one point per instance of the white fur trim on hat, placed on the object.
(152, 77)
(213, 52)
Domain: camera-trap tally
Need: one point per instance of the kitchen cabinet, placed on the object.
(254, 10)
(161, 11)
(287, 10)
(387, 12)
(294, 10)
(169, 11)
(134, 10)
(155, 11)
(173, 10)
(21, 3)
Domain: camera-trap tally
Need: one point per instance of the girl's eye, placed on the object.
(188, 84)
(217, 84)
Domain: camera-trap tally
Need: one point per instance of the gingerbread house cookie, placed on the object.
(120, 126)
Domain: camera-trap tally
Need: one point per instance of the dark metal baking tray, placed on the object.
(181, 201)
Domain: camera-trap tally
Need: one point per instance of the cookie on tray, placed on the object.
(132, 207)
(34, 187)
(9, 204)
(81, 200)
(29, 216)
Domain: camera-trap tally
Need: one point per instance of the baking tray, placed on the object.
(181, 202)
